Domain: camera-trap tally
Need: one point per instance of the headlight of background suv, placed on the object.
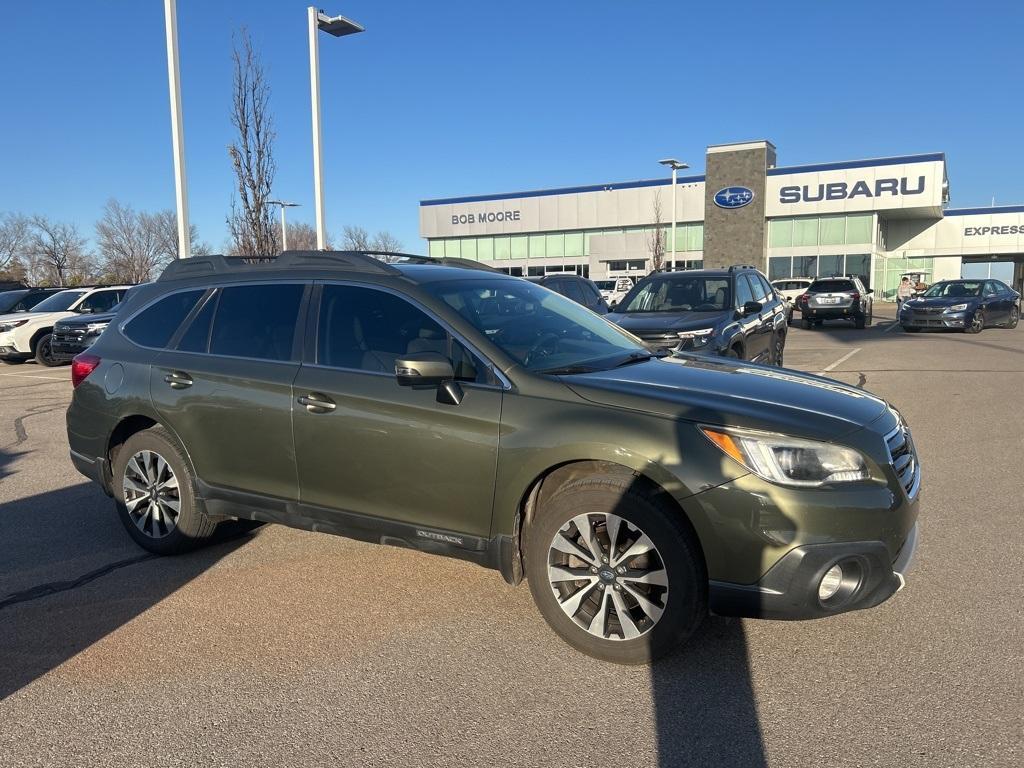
(789, 460)
(94, 328)
(699, 338)
(12, 325)
(956, 308)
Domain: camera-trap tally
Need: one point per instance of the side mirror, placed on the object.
(423, 369)
(752, 308)
(869, 290)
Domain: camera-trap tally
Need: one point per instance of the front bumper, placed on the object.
(937, 320)
(789, 590)
(8, 352)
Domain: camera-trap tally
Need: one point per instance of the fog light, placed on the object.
(830, 583)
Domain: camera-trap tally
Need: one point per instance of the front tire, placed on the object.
(155, 495)
(44, 353)
(977, 323)
(614, 572)
(778, 349)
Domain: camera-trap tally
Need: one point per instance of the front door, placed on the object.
(226, 388)
(754, 326)
(393, 452)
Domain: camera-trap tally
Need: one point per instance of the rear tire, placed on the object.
(44, 355)
(1014, 318)
(596, 612)
(155, 494)
(860, 322)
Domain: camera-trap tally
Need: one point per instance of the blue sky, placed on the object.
(439, 99)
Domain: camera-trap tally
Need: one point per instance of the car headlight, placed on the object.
(12, 325)
(92, 328)
(789, 460)
(956, 308)
(699, 338)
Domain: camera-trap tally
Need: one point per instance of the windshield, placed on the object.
(59, 302)
(542, 330)
(9, 298)
(679, 294)
(953, 290)
(605, 285)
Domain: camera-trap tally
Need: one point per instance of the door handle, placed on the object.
(317, 403)
(178, 380)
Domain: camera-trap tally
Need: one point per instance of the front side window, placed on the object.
(679, 293)
(743, 292)
(256, 321)
(541, 330)
(368, 330)
(154, 326)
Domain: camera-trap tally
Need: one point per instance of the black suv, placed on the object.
(579, 289)
(732, 312)
(23, 299)
(836, 298)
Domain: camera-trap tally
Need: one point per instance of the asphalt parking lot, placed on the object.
(283, 647)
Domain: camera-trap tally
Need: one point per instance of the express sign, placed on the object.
(841, 190)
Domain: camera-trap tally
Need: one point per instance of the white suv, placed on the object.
(25, 335)
(614, 289)
(790, 288)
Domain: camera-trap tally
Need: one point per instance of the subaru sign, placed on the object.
(733, 197)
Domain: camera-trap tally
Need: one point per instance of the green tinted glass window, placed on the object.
(780, 233)
(520, 247)
(779, 267)
(469, 248)
(858, 229)
(437, 248)
(805, 231)
(555, 245)
(452, 249)
(502, 247)
(833, 230)
(830, 265)
(573, 243)
(537, 249)
(485, 248)
(694, 237)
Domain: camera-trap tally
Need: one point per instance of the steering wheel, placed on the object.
(543, 347)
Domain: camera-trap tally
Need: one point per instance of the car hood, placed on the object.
(666, 321)
(730, 393)
(942, 301)
(35, 316)
(83, 320)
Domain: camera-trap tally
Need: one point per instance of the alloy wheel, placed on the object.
(151, 494)
(780, 348)
(608, 576)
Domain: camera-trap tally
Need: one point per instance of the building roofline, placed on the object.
(982, 210)
(778, 171)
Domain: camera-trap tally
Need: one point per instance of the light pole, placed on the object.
(676, 166)
(338, 26)
(284, 226)
(177, 129)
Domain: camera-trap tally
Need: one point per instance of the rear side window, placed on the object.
(154, 327)
(571, 289)
(831, 286)
(101, 301)
(256, 321)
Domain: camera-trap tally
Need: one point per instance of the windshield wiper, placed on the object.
(568, 370)
(639, 357)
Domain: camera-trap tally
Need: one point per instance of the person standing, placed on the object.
(904, 291)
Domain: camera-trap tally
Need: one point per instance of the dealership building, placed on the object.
(877, 218)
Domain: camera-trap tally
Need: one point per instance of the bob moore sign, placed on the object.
(484, 217)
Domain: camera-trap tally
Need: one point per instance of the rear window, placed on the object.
(154, 327)
(831, 286)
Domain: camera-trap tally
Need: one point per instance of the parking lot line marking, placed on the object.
(894, 324)
(36, 376)
(841, 360)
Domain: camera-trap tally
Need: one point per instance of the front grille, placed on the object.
(903, 457)
(68, 337)
(658, 336)
(929, 311)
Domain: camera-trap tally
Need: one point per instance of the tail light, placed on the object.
(855, 296)
(801, 299)
(82, 366)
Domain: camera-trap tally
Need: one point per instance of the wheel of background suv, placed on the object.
(806, 324)
(1014, 317)
(778, 348)
(44, 355)
(860, 321)
(732, 353)
(977, 323)
(614, 572)
(908, 329)
(155, 494)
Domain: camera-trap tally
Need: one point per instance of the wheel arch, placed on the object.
(37, 335)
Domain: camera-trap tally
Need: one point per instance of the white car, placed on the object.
(614, 289)
(789, 288)
(24, 335)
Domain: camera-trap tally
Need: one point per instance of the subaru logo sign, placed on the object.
(733, 197)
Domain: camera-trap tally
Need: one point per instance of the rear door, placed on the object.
(998, 302)
(390, 451)
(226, 387)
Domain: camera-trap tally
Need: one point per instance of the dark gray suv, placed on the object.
(443, 406)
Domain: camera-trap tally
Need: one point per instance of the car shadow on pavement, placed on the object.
(70, 575)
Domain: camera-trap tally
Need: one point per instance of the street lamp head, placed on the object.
(282, 203)
(338, 26)
(674, 164)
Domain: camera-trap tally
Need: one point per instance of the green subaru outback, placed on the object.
(440, 405)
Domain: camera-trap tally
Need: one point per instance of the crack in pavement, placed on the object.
(56, 587)
(20, 435)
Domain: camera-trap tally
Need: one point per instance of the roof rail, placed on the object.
(447, 261)
(736, 267)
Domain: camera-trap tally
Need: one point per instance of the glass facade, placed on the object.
(558, 245)
(826, 265)
(889, 270)
(852, 229)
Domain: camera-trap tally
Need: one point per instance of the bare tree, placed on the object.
(656, 240)
(355, 239)
(252, 155)
(301, 236)
(134, 245)
(385, 241)
(166, 222)
(15, 234)
(58, 253)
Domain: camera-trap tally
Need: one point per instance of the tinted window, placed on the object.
(197, 337)
(678, 294)
(769, 292)
(571, 289)
(954, 290)
(743, 292)
(256, 321)
(831, 286)
(9, 300)
(59, 302)
(757, 289)
(154, 327)
(991, 289)
(101, 301)
(369, 330)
